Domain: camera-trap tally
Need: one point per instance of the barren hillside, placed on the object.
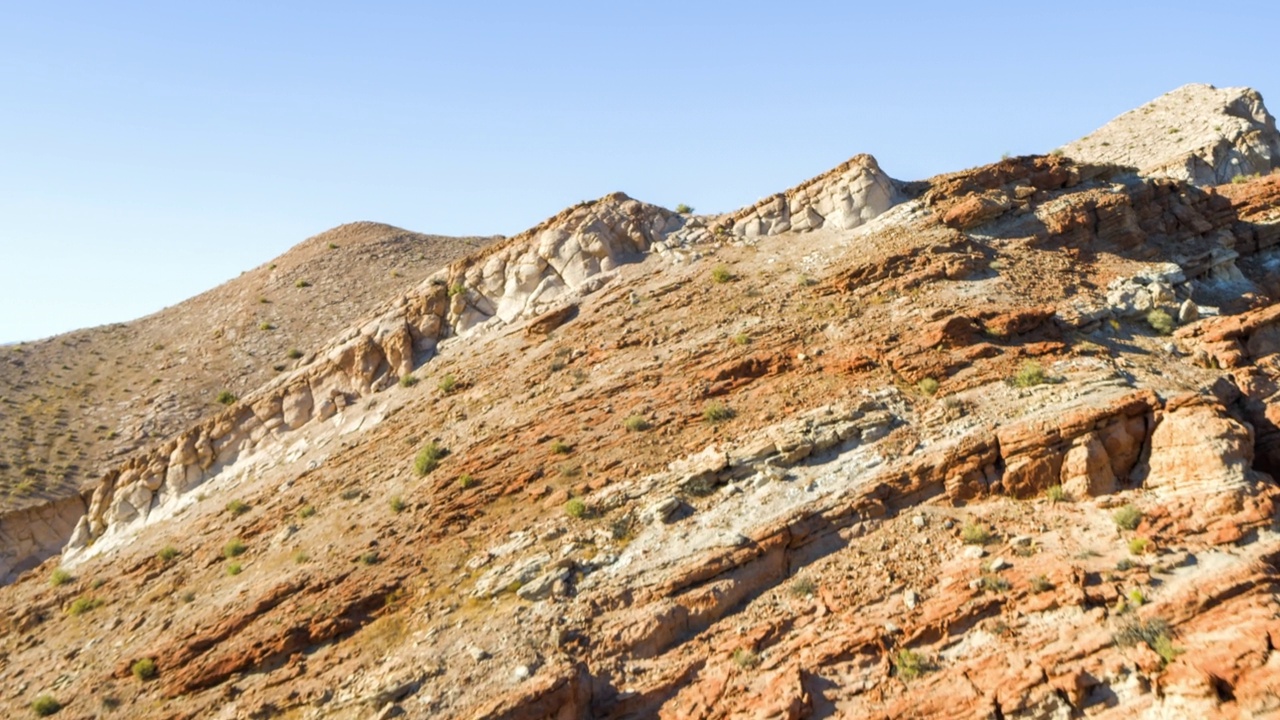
(996, 444)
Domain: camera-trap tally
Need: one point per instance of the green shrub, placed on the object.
(302, 284)
(333, 246)
(803, 587)
(683, 209)
(1030, 374)
(1137, 598)
(575, 508)
(60, 577)
(1127, 517)
(1160, 321)
(266, 326)
(990, 582)
(1056, 494)
(975, 534)
(226, 397)
(1139, 546)
(369, 557)
(408, 381)
(234, 548)
(236, 508)
(928, 386)
(306, 511)
(45, 705)
(447, 384)
(745, 659)
(429, 458)
(168, 553)
(234, 568)
(559, 447)
(457, 289)
(908, 664)
(1154, 633)
(742, 339)
(398, 504)
(294, 354)
(716, 411)
(636, 423)
(83, 604)
(301, 557)
(465, 481)
(144, 669)
(721, 274)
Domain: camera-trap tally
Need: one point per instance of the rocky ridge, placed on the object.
(1003, 449)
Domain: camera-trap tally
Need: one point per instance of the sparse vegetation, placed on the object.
(1030, 374)
(237, 507)
(168, 553)
(559, 447)
(398, 504)
(1160, 321)
(234, 548)
(1137, 598)
(369, 557)
(465, 481)
(908, 664)
(234, 568)
(301, 557)
(45, 705)
(447, 384)
(429, 458)
(745, 659)
(302, 284)
(803, 587)
(721, 274)
(991, 582)
(144, 669)
(1040, 583)
(742, 339)
(60, 577)
(294, 353)
(636, 423)
(1155, 633)
(408, 381)
(1055, 494)
(683, 209)
(1125, 564)
(974, 534)
(226, 397)
(1127, 517)
(716, 412)
(928, 386)
(83, 604)
(266, 326)
(1139, 546)
(575, 508)
(457, 289)
(306, 511)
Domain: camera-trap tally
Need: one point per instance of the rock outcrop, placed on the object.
(1197, 134)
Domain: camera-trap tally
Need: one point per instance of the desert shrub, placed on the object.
(636, 423)
(1056, 494)
(1154, 633)
(742, 339)
(1139, 546)
(803, 587)
(908, 664)
(1127, 517)
(991, 582)
(721, 274)
(294, 354)
(235, 547)
(745, 659)
(465, 481)
(559, 447)
(234, 568)
(397, 504)
(60, 577)
(447, 384)
(1031, 373)
(301, 557)
(928, 386)
(457, 289)
(302, 284)
(1125, 564)
(575, 508)
(226, 397)
(333, 246)
(237, 507)
(716, 411)
(144, 669)
(683, 209)
(570, 470)
(1137, 598)
(83, 604)
(45, 705)
(369, 557)
(975, 534)
(408, 381)
(429, 458)
(1160, 321)
(266, 326)
(306, 511)
(1040, 583)
(168, 553)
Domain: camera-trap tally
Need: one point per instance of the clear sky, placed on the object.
(150, 151)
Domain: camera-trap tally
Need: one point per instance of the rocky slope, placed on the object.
(996, 444)
(74, 406)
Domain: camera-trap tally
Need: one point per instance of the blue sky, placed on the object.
(150, 151)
